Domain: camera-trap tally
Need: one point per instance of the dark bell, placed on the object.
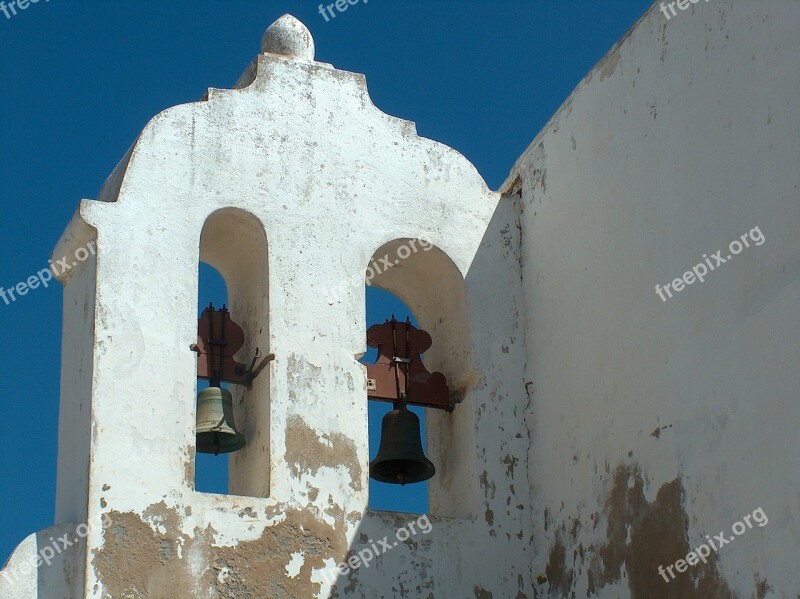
(400, 459)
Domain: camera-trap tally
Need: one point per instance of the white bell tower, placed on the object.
(290, 184)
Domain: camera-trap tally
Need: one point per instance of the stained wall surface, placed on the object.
(602, 432)
(656, 423)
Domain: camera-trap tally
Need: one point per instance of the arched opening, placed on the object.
(429, 283)
(210, 471)
(234, 243)
(381, 306)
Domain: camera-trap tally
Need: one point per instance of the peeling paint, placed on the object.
(510, 461)
(138, 561)
(559, 575)
(641, 536)
(481, 593)
(307, 452)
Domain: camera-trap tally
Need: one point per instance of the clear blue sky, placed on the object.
(80, 79)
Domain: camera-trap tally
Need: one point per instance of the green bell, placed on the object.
(216, 431)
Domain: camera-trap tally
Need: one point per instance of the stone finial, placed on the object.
(289, 37)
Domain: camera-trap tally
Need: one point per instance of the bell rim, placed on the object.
(238, 442)
(429, 472)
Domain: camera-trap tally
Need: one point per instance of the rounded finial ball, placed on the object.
(289, 37)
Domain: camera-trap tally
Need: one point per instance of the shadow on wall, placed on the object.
(471, 496)
(426, 280)
(234, 242)
(211, 471)
(412, 499)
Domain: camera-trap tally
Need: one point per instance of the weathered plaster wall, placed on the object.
(300, 151)
(656, 423)
(235, 243)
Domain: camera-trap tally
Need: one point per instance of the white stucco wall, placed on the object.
(603, 432)
(655, 423)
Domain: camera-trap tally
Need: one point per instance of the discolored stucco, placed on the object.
(640, 536)
(631, 182)
(644, 535)
(152, 558)
(307, 452)
(555, 284)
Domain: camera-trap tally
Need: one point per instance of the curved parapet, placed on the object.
(46, 565)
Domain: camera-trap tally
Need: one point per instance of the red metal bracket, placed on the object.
(218, 340)
(398, 370)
